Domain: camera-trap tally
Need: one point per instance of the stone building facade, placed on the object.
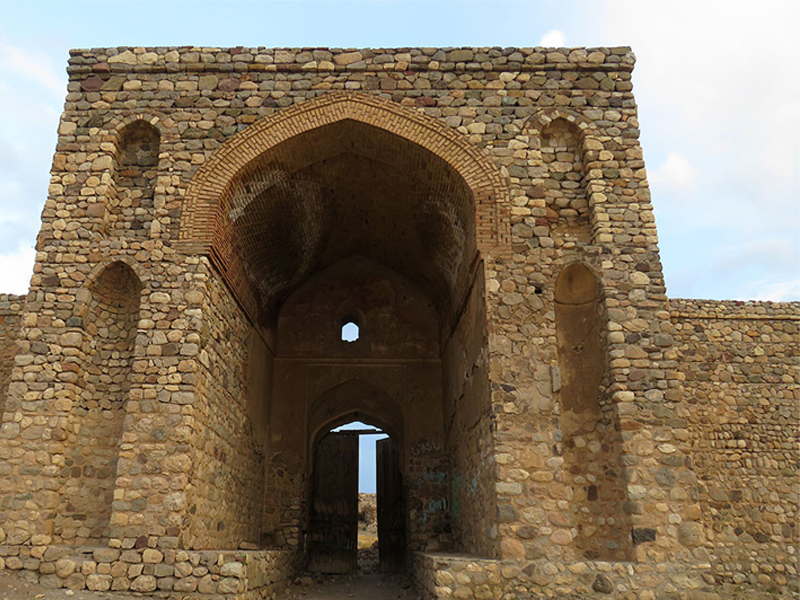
(562, 428)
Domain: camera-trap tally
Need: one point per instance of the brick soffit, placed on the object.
(211, 184)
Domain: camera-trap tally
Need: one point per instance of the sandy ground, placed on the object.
(14, 586)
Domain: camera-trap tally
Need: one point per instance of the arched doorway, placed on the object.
(346, 496)
(333, 483)
(352, 224)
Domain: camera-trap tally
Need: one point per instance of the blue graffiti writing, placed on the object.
(425, 447)
(432, 477)
(433, 507)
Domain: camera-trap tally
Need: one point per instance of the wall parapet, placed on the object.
(11, 307)
(733, 309)
(738, 363)
(239, 59)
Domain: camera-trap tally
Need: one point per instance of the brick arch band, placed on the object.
(210, 185)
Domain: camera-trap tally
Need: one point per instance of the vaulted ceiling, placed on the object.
(341, 190)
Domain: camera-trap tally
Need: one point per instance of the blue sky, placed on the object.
(366, 456)
(716, 83)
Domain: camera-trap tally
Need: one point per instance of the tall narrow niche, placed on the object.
(565, 192)
(131, 210)
(96, 422)
(590, 442)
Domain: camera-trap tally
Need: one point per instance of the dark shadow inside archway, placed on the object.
(342, 190)
(346, 226)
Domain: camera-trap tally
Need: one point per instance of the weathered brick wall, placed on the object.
(10, 310)
(739, 364)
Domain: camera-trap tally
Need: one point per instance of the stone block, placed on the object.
(143, 583)
(106, 555)
(98, 583)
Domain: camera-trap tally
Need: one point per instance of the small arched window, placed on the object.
(138, 149)
(350, 330)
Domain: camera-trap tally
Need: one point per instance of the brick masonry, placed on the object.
(213, 215)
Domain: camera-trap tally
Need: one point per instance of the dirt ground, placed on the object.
(344, 587)
(13, 586)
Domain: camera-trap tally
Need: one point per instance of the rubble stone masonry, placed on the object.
(739, 365)
(215, 216)
(10, 310)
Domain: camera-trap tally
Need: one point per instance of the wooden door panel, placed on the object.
(333, 535)
(391, 507)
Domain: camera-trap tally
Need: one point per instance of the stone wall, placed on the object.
(154, 453)
(93, 430)
(468, 415)
(240, 575)
(186, 165)
(456, 576)
(739, 365)
(592, 470)
(447, 576)
(128, 209)
(226, 494)
(10, 310)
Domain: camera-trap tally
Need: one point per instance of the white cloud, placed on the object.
(16, 269)
(696, 91)
(553, 39)
(28, 123)
(35, 67)
(780, 253)
(781, 292)
(675, 173)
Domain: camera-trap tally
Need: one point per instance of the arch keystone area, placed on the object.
(210, 185)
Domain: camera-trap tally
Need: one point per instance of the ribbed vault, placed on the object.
(344, 189)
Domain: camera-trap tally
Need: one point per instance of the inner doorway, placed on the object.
(356, 496)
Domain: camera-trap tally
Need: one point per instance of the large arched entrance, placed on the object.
(352, 224)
